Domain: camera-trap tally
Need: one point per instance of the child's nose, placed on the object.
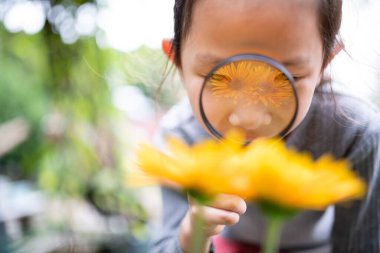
(250, 117)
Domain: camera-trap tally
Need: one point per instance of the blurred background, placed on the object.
(78, 91)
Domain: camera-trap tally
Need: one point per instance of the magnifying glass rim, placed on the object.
(245, 57)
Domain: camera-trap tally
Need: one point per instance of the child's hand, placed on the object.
(224, 210)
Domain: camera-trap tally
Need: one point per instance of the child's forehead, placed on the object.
(245, 7)
(254, 22)
(262, 9)
(259, 3)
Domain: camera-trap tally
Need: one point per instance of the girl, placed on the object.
(302, 35)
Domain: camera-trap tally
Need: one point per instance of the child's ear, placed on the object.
(167, 45)
(338, 46)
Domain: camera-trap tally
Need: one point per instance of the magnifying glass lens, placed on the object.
(255, 95)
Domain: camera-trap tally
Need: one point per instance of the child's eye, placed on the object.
(297, 78)
(202, 75)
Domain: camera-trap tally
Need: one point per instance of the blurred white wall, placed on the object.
(358, 70)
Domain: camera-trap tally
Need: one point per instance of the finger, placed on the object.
(214, 216)
(229, 203)
(214, 230)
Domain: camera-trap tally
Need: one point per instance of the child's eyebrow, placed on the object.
(296, 62)
(207, 59)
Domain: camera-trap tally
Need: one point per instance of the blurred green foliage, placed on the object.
(22, 92)
(50, 85)
(64, 92)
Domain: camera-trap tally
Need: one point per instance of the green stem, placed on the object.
(272, 234)
(198, 236)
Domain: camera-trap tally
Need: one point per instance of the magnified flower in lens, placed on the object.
(252, 82)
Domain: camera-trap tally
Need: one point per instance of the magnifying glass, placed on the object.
(251, 93)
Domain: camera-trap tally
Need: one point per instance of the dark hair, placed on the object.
(330, 16)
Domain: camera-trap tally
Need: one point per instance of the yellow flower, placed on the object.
(252, 82)
(264, 170)
(294, 180)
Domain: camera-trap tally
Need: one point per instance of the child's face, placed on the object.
(286, 31)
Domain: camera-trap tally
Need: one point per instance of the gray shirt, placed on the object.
(342, 125)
